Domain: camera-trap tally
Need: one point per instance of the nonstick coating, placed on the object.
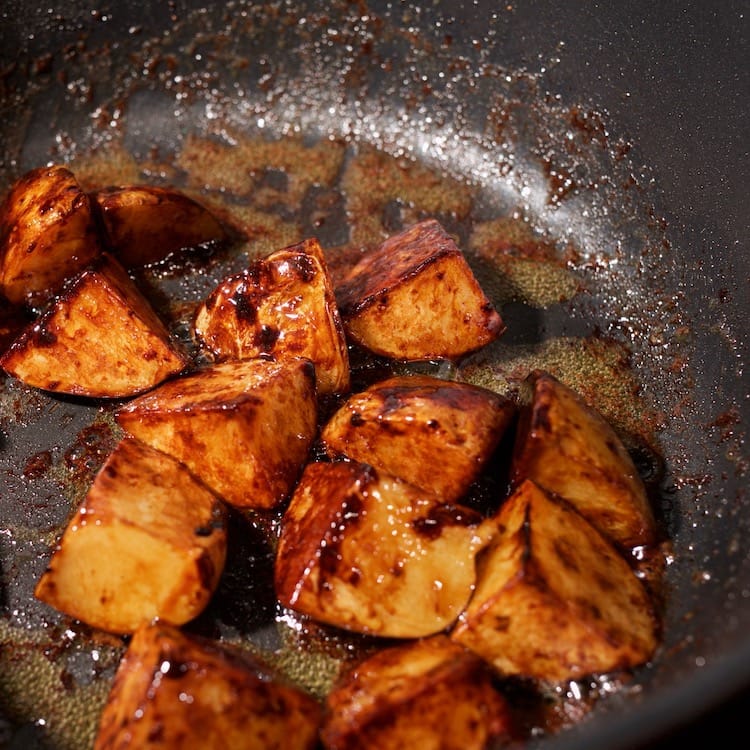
(658, 91)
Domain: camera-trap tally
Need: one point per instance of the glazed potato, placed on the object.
(369, 553)
(243, 427)
(554, 599)
(435, 434)
(567, 447)
(148, 541)
(281, 305)
(427, 694)
(99, 338)
(181, 691)
(145, 224)
(47, 234)
(415, 297)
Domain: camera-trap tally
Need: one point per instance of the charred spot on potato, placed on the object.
(443, 515)
(244, 307)
(43, 335)
(303, 267)
(267, 338)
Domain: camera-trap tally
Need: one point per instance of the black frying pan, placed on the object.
(618, 130)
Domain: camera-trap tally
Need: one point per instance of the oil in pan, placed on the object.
(288, 125)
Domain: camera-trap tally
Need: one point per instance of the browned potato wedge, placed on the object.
(430, 694)
(435, 434)
(568, 448)
(148, 541)
(244, 427)
(99, 338)
(369, 553)
(47, 234)
(554, 599)
(145, 224)
(182, 691)
(415, 297)
(282, 305)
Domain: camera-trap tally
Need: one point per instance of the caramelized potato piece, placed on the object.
(281, 305)
(567, 447)
(181, 691)
(435, 434)
(47, 234)
(427, 694)
(145, 224)
(369, 553)
(99, 338)
(148, 541)
(415, 297)
(554, 599)
(244, 427)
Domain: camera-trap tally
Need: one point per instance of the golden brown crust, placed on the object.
(567, 447)
(148, 541)
(47, 234)
(244, 427)
(415, 298)
(367, 552)
(554, 598)
(145, 224)
(427, 693)
(180, 691)
(432, 433)
(99, 338)
(282, 305)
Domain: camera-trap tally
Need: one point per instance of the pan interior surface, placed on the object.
(349, 123)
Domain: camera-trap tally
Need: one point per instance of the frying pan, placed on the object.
(615, 132)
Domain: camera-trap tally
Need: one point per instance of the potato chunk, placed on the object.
(47, 234)
(567, 447)
(427, 694)
(99, 338)
(435, 434)
(369, 553)
(148, 541)
(281, 305)
(244, 427)
(415, 297)
(181, 691)
(554, 599)
(145, 224)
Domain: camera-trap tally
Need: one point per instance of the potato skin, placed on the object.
(567, 447)
(99, 338)
(244, 427)
(282, 305)
(148, 541)
(554, 598)
(369, 553)
(47, 234)
(435, 434)
(415, 298)
(145, 224)
(428, 693)
(180, 691)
